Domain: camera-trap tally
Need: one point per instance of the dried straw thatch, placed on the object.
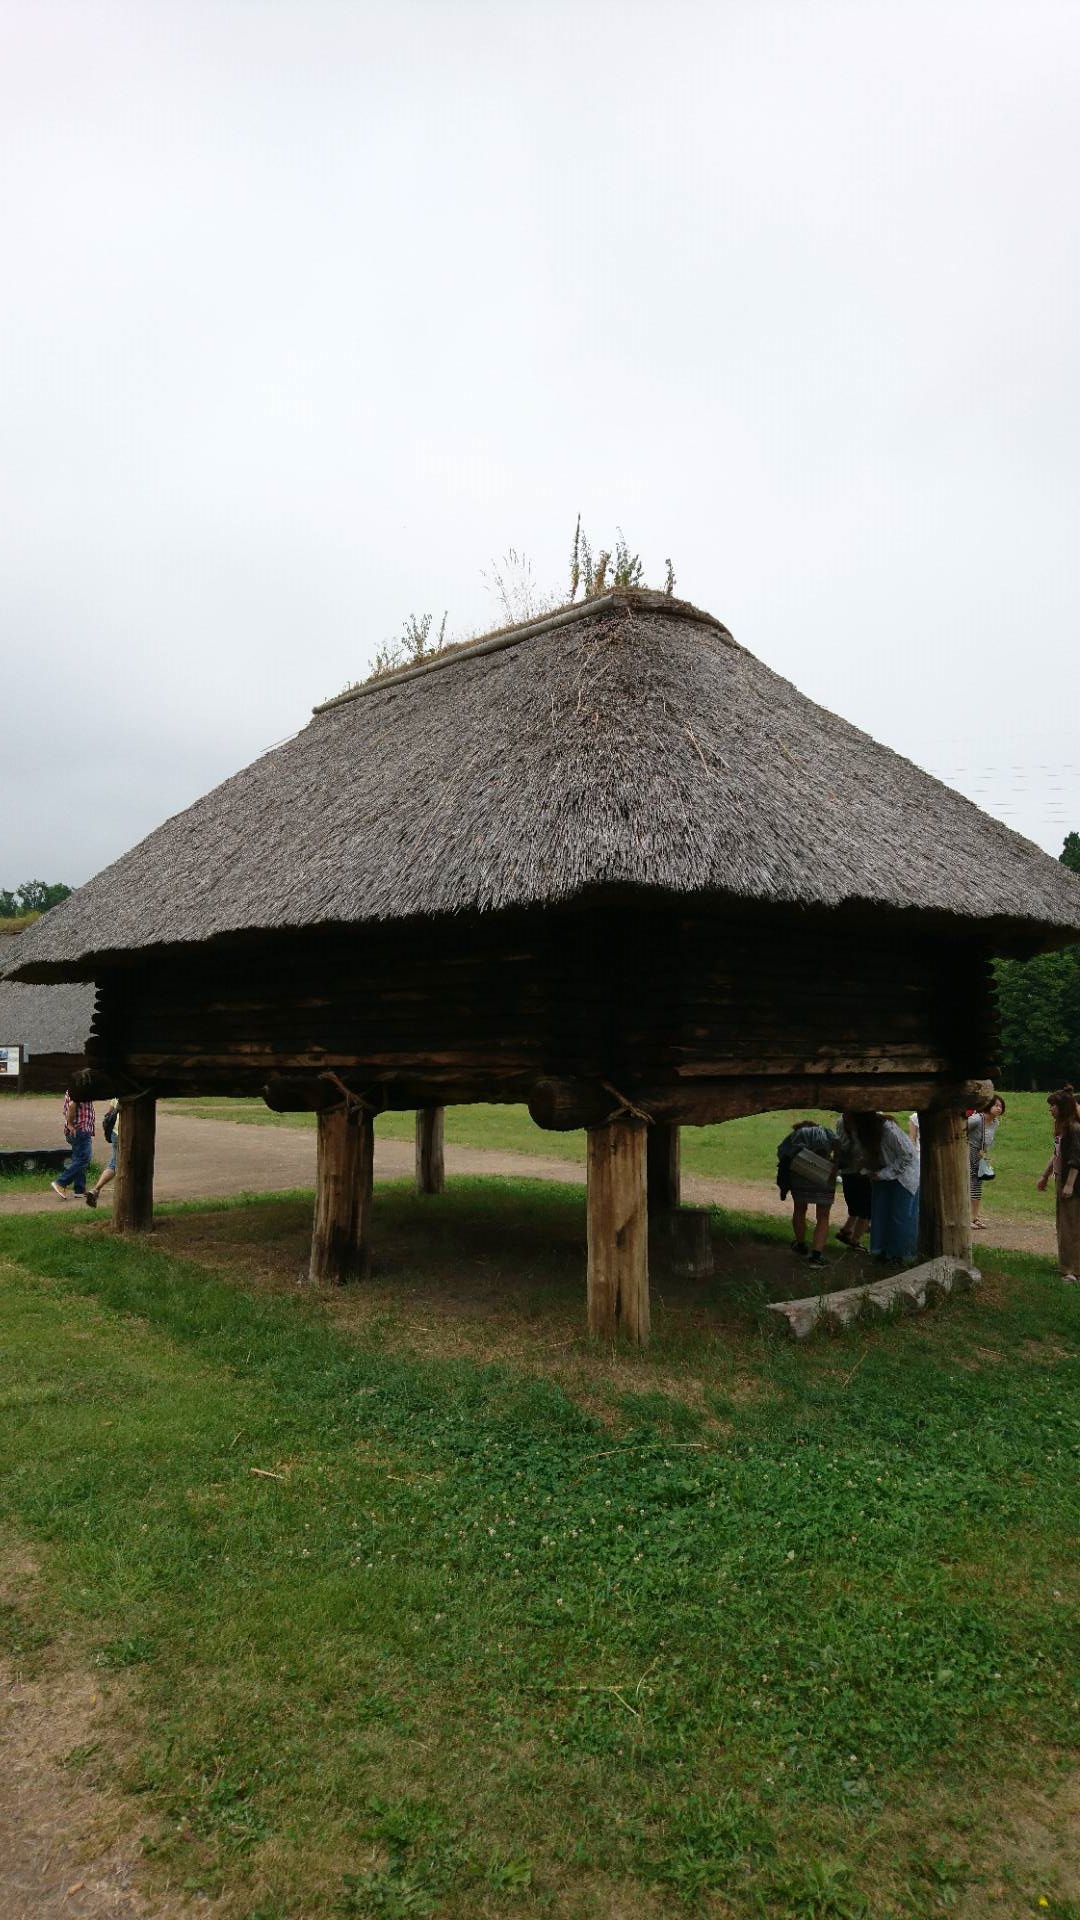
(628, 743)
(54, 1019)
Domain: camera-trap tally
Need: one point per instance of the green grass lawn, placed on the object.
(40, 1181)
(427, 1607)
(738, 1150)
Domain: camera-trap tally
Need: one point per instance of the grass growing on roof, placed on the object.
(743, 1630)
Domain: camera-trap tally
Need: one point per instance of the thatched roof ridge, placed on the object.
(510, 636)
(635, 746)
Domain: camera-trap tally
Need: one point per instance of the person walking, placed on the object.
(810, 1182)
(1065, 1168)
(79, 1132)
(981, 1128)
(110, 1127)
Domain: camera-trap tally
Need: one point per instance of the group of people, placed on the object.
(878, 1166)
(877, 1163)
(80, 1126)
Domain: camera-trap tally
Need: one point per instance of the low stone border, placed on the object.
(913, 1291)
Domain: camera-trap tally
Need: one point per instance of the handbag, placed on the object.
(984, 1171)
(108, 1125)
(812, 1169)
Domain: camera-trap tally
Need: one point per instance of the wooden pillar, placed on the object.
(341, 1233)
(944, 1184)
(664, 1172)
(430, 1159)
(133, 1211)
(618, 1231)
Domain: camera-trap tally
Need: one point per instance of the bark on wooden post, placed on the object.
(133, 1211)
(618, 1232)
(664, 1171)
(430, 1160)
(944, 1185)
(341, 1234)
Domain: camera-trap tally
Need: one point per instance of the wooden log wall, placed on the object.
(479, 1008)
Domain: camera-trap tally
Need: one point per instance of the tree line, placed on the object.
(33, 897)
(1039, 1005)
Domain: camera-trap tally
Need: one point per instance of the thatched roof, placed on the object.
(629, 742)
(54, 1019)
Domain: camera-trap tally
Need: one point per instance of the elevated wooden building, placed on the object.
(606, 863)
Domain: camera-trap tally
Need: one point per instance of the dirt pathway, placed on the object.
(205, 1159)
(69, 1846)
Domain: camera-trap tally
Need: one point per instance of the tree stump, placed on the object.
(680, 1242)
(618, 1269)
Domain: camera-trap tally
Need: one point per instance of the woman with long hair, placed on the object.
(981, 1128)
(893, 1166)
(1065, 1167)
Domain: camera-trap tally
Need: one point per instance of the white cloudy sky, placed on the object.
(308, 310)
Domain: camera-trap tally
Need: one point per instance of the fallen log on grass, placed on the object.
(912, 1291)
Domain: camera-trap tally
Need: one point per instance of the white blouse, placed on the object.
(899, 1159)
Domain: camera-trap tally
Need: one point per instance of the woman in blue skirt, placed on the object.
(894, 1207)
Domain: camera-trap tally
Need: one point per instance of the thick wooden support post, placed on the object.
(341, 1234)
(664, 1158)
(430, 1159)
(618, 1228)
(944, 1185)
(134, 1208)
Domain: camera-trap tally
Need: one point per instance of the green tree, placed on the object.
(1039, 1006)
(33, 896)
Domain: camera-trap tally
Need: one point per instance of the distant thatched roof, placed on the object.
(628, 743)
(53, 1019)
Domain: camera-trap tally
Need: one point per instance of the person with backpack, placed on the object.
(806, 1168)
(110, 1127)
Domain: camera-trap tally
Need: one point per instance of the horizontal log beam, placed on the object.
(311, 1094)
(561, 1106)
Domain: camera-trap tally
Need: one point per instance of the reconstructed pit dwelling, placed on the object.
(606, 863)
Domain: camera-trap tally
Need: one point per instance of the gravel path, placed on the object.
(201, 1159)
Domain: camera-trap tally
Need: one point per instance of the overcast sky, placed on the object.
(309, 310)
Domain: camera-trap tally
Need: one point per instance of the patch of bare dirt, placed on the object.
(68, 1849)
